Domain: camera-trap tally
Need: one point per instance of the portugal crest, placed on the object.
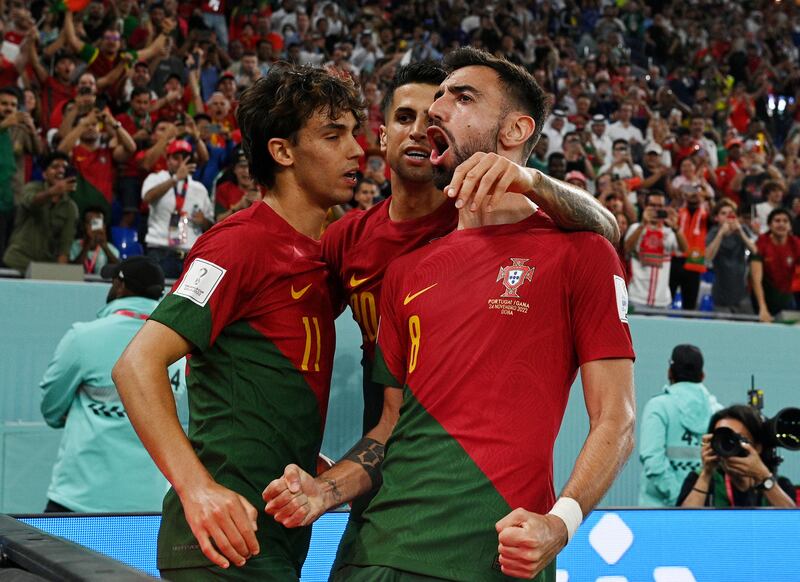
(514, 276)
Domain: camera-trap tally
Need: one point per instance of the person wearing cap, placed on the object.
(46, 218)
(236, 190)
(180, 209)
(101, 464)
(656, 172)
(672, 428)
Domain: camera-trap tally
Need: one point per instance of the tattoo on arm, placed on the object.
(369, 454)
(574, 209)
(336, 495)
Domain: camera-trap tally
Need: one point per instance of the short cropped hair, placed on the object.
(421, 73)
(725, 203)
(521, 89)
(281, 103)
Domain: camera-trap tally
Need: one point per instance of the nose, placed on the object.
(356, 151)
(437, 110)
(420, 127)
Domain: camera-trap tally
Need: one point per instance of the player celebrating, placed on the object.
(359, 247)
(253, 309)
(482, 334)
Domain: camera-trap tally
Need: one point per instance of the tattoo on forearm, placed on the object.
(574, 209)
(336, 495)
(369, 454)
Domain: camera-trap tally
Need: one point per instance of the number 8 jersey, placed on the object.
(254, 302)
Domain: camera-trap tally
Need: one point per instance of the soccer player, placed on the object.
(254, 311)
(482, 334)
(359, 247)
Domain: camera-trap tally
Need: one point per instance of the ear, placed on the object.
(516, 131)
(281, 151)
(383, 140)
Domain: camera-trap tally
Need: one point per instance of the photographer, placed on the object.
(93, 251)
(180, 209)
(744, 476)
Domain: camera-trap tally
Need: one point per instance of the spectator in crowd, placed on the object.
(93, 250)
(773, 268)
(672, 426)
(46, 218)
(697, 131)
(623, 128)
(538, 159)
(18, 137)
(95, 144)
(728, 245)
(180, 209)
(557, 165)
(773, 193)
(621, 163)
(365, 194)
(686, 267)
(603, 144)
(737, 481)
(555, 128)
(54, 89)
(99, 449)
(655, 174)
(376, 169)
(237, 192)
(576, 157)
(651, 244)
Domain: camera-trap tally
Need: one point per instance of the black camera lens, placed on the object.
(727, 443)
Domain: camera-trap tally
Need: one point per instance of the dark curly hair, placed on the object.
(522, 91)
(280, 104)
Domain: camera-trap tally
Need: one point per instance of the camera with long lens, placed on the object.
(727, 443)
(782, 430)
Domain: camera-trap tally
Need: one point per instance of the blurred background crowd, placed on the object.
(118, 129)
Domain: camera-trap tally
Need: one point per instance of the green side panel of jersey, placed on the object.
(250, 414)
(181, 315)
(8, 167)
(423, 520)
(380, 371)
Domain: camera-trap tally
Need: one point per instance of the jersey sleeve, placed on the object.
(332, 254)
(598, 302)
(389, 366)
(212, 292)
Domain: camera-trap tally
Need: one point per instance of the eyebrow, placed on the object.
(457, 90)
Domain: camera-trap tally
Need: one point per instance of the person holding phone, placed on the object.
(651, 244)
(93, 250)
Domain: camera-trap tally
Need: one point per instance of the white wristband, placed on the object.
(570, 513)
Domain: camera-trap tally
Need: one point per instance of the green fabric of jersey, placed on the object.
(250, 410)
(422, 523)
(8, 167)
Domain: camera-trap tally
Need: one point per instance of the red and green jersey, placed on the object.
(254, 302)
(484, 331)
(358, 248)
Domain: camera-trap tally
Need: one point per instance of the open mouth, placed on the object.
(351, 176)
(439, 142)
(417, 154)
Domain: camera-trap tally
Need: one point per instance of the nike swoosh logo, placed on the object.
(409, 298)
(356, 282)
(299, 294)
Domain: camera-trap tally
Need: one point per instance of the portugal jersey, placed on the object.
(253, 300)
(358, 248)
(484, 331)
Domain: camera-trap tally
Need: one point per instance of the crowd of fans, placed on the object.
(682, 118)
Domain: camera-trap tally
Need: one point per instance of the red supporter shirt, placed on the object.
(54, 95)
(8, 72)
(96, 167)
(226, 195)
(780, 261)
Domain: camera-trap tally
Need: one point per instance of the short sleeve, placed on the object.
(598, 302)
(390, 364)
(151, 181)
(212, 292)
(332, 254)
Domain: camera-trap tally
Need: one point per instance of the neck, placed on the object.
(295, 207)
(778, 238)
(511, 209)
(413, 199)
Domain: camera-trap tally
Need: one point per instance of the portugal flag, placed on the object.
(71, 5)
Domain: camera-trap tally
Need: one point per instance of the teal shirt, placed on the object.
(102, 465)
(672, 428)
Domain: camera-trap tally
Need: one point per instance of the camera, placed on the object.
(97, 224)
(726, 443)
(661, 213)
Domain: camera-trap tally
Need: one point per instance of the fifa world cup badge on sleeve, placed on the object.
(622, 298)
(200, 281)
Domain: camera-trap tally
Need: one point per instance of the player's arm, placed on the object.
(529, 541)
(213, 512)
(296, 498)
(483, 178)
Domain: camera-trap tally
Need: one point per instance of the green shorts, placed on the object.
(352, 573)
(262, 570)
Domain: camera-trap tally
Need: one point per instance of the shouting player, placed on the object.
(253, 309)
(482, 335)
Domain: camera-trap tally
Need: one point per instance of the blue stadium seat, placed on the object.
(127, 241)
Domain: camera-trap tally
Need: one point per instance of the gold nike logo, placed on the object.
(356, 282)
(299, 294)
(409, 298)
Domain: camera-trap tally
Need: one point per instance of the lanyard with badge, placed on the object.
(179, 221)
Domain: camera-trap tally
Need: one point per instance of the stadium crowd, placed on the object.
(682, 118)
